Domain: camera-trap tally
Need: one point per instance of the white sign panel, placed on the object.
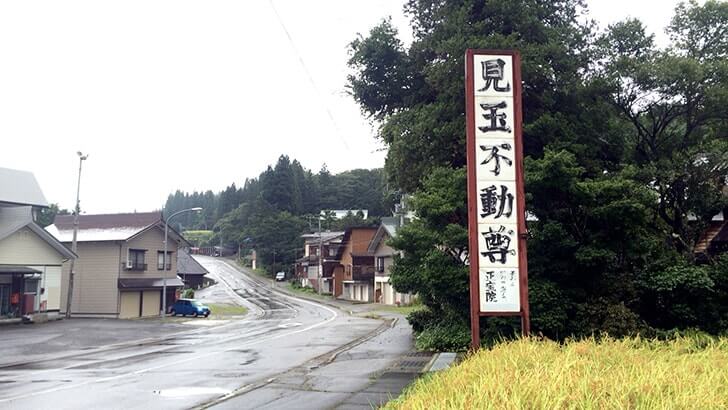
(496, 183)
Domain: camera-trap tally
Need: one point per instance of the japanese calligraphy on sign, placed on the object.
(492, 122)
(499, 290)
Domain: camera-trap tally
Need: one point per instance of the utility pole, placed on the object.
(74, 245)
(320, 256)
(164, 257)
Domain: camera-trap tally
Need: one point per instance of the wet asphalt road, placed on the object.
(211, 365)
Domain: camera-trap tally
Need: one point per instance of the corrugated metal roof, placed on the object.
(326, 236)
(108, 227)
(107, 221)
(20, 188)
(94, 235)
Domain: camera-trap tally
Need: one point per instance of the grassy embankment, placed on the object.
(303, 291)
(225, 311)
(685, 373)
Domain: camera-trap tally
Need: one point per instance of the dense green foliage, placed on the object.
(269, 213)
(45, 216)
(626, 159)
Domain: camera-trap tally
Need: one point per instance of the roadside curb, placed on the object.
(440, 361)
(8, 322)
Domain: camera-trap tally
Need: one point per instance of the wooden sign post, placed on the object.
(496, 197)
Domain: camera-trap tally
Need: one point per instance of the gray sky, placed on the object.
(191, 95)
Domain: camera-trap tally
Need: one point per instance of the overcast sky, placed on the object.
(167, 95)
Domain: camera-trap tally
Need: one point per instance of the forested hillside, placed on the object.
(270, 212)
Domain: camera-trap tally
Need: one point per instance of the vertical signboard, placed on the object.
(496, 209)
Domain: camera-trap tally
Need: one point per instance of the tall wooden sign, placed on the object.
(496, 208)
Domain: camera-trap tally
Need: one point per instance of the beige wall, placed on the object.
(51, 282)
(26, 248)
(95, 282)
(152, 241)
(384, 250)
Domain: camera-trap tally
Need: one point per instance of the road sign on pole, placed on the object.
(496, 198)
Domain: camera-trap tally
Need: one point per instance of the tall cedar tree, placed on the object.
(623, 144)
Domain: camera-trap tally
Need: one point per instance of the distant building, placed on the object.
(714, 239)
(354, 277)
(306, 270)
(383, 259)
(341, 213)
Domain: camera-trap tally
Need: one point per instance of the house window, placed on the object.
(136, 260)
(317, 251)
(332, 252)
(160, 260)
(380, 264)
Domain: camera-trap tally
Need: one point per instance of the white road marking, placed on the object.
(190, 391)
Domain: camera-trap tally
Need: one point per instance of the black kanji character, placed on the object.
(495, 204)
(496, 157)
(497, 120)
(492, 72)
(497, 244)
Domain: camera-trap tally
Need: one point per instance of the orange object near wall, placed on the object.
(28, 303)
(15, 298)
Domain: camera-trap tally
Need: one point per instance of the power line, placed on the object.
(337, 130)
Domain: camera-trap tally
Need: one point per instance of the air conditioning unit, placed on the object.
(129, 264)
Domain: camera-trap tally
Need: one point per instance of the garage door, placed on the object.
(129, 305)
(388, 294)
(150, 304)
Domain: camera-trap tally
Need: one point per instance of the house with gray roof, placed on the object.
(30, 258)
(121, 269)
(189, 270)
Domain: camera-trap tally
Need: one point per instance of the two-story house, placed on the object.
(354, 277)
(30, 258)
(324, 246)
(383, 259)
(121, 268)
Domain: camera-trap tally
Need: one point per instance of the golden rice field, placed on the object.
(685, 373)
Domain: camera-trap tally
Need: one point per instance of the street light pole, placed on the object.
(74, 245)
(321, 256)
(164, 257)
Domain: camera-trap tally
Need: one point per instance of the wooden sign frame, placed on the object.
(474, 235)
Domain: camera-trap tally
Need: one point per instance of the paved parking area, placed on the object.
(24, 343)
